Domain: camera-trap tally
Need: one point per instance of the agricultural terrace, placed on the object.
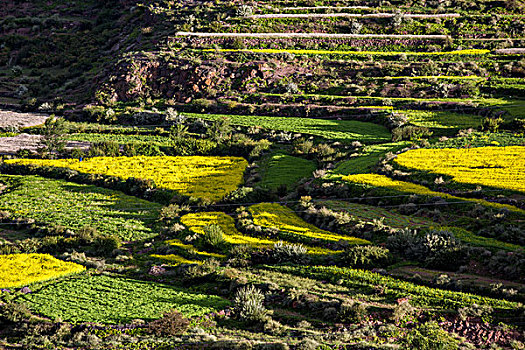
(292, 227)
(359, 53)
(117, 300)
(201, 177)
(499, 167)
(383, 181)
(17, 270)
(370, 213)
(391, 218)
(328, 174)
(395, 289)
(367, 158)
(332, 129)
(74, 206)
(197, 221)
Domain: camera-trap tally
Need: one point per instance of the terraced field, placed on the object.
(262, 175)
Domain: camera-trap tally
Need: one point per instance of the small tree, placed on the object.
(54, 130)
(178, 132)
(220, 130)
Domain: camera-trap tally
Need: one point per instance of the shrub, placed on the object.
(248, 305)
(104, 149)
(219, 130)
(172, 117)
(429, 336)
(171, 323)
(213, 237)
(106, 245)
(482, 311)
(353, 312)
(295, 253)
(141, 149)
(491, 124)
(410, 132)
(403, 312)
(435, 248)
(14, 312)
(244, 11)
(308, 344)
(303, 147)
(365, 256)
(54, 130)
(240, 255)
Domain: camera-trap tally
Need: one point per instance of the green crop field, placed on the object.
(58, 202)
(117, 300)
(332, 129)
(282, 169)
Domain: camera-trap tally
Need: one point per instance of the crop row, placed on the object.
(357, 53)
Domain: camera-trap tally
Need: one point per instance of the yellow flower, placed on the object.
(408, 187)
(499, 167)
(196, 222)
(18, 270)
(202, 177)
(273, 215)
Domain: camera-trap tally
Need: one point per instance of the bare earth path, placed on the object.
(11, 145)
(19, 120)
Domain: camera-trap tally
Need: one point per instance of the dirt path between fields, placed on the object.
(20, 120)
(11, 145)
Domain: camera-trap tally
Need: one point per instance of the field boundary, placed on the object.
(311, 35)
(352, 15)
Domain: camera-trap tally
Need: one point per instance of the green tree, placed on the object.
(54, 130)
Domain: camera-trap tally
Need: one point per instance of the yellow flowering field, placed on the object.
(273, 215)
(500, 167)
(18, 270)
(403, 186)
(175, 260)
(202, 177)
(196, 222)
(358, 53)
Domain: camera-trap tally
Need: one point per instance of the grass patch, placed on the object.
(368, 159)
(282, 169)
(443, 120)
